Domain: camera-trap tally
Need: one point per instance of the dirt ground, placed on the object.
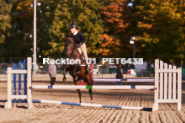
(56, 113)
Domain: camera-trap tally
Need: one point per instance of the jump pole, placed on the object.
(109, 80)
(140, 80)
(143, 87)
(93, 105)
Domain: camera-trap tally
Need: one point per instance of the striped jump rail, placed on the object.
(110, 80)
(150, 87)
(140, 80)
(107, 80)
(92, 105)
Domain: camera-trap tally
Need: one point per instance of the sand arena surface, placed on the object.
(55, 113)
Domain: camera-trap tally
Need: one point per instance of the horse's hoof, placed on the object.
(64, 80)
(75, 78)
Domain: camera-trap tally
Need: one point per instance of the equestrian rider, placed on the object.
(80, 40)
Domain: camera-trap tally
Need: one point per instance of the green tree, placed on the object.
(162, 27)
(22, 28)
(5, 26)
(22, 31)
(16, 20)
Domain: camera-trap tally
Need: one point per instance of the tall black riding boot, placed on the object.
(87, 67)
(51, 81)
(54, 78)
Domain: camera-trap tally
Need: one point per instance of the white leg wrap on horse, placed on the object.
(84, 50)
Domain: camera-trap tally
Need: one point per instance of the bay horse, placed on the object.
(77, 71)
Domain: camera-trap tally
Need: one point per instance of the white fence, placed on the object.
(8, 104)
(168, 81)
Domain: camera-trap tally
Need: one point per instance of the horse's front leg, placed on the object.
(79, 94)
(77, 82)
(64, 73)
(74, 72)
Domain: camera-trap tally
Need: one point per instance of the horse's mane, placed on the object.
(70, 37)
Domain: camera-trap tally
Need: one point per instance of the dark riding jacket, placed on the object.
(80, 38)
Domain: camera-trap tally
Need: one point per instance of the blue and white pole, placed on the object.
(93, 105)
(143, 87)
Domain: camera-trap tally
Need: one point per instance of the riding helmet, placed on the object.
(73, 26)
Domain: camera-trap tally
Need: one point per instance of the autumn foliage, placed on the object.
(108, 25)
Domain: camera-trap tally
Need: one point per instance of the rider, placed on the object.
(80, 40)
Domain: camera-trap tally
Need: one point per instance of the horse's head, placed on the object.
(69, 45)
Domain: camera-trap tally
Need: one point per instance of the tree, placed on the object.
(5, 26)
(120, 23)
(22, 28)
(157, 25)
(86, 14)
(162, 27)
(22, 31)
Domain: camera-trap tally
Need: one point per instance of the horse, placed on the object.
(77, 71)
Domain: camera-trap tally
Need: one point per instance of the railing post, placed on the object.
(8, 104)
(29, 98)
(20, 88)
(179, 88)
(155, 105)
(14, 83)
(25, 77)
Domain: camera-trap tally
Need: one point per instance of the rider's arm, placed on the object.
(83, 40)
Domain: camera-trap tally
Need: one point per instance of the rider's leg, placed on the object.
(84, 50)
(80, 50)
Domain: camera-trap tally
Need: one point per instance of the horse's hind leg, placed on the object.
(90, 92)
(89, 82)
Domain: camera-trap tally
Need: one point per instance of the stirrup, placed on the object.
(83, 58)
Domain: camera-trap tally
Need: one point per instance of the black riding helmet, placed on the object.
(73, 26)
